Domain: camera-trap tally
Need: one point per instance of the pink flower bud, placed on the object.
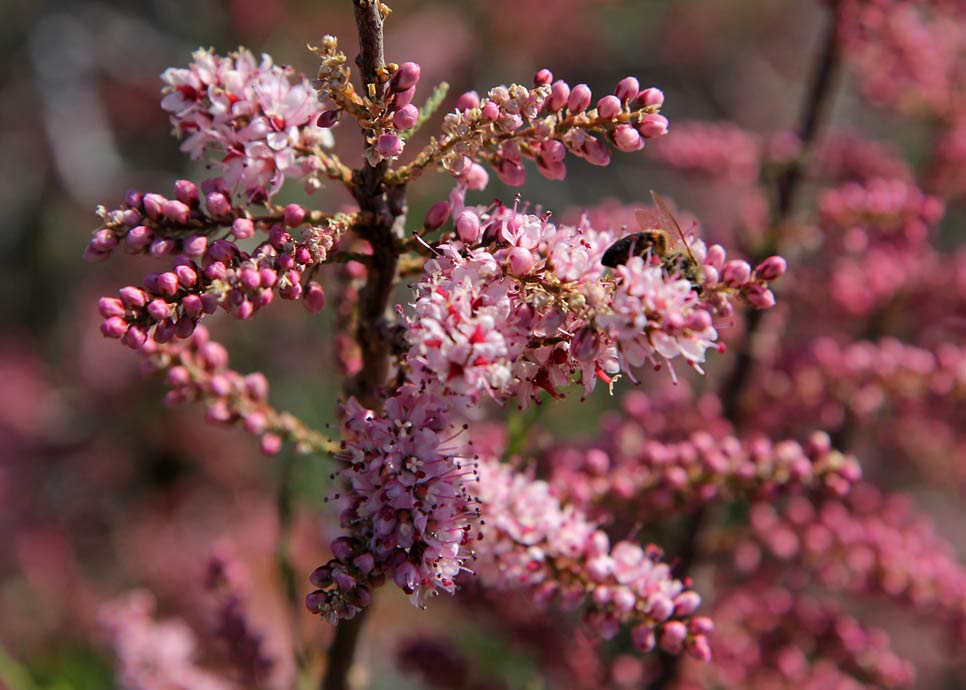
(177, 212)
(520, 261)
(257, 386)
(243, 310)
(389, 145)
(701, 625)
(103, 240)
(559, 94)
(133, 198)
(490, 111)
(154, 205)
(661, 607)
(699, 320)
(476, 177)
(760, 297)
(736, 273)
(715, 256)
(159, 309)
(772, 268)
(186, 192)
(627, 89)
(579, 99)
(218, 204)
(405, 77)
(270, 444)
(134, 337)
(267, 276)
(511, 172)
(164, 331)
(552, 170)
(192, 305)
(315, 601)
(608, 107)
(114, 327)
(651, 97)
(437, 214)
(110, 306)
(132, 297)
(468, 101)
(553, 151)
(686, 603)
(138, 238)
(185, 327)
(242, 228)
(195, 246)
(406, 117)
(290, 287)
(627, 139)
(250, 278)
(293, 215)
(278, 237)
(468, 227)
(343, 548)
(161, 247)
(653, 125)
(314, 298)
(327, 118)
(700, 649)
(321, 576)
(404, 98)
(596, 152)
(673, 636)
(642, 637)
(543, 76)
(167, 283)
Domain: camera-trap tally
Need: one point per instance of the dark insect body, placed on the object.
(656, 242)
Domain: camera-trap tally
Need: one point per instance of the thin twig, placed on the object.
(381, 223)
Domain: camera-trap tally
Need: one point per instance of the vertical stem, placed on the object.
(814, 108)
(380, 224)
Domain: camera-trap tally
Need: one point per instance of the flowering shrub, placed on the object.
(718, 531)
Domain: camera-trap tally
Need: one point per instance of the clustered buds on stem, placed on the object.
(206, 275)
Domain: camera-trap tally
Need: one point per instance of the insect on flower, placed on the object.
(656, 243)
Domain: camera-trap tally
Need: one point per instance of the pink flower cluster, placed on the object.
(154, 655)
(719, 150)
(698, 470)
(543, 124)
(249, 117)
(890, 209)
(868, 543)
(513, 304)
(532, 541)
(878, 233)
(197, 370)
(407, 511)
(157, 225)
(221, 274)
(847, 156)
(910, 56)
(772, 638)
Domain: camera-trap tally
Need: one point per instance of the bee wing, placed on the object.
(647, 220)
(671, 221)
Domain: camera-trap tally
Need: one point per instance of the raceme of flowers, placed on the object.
(249, 118)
